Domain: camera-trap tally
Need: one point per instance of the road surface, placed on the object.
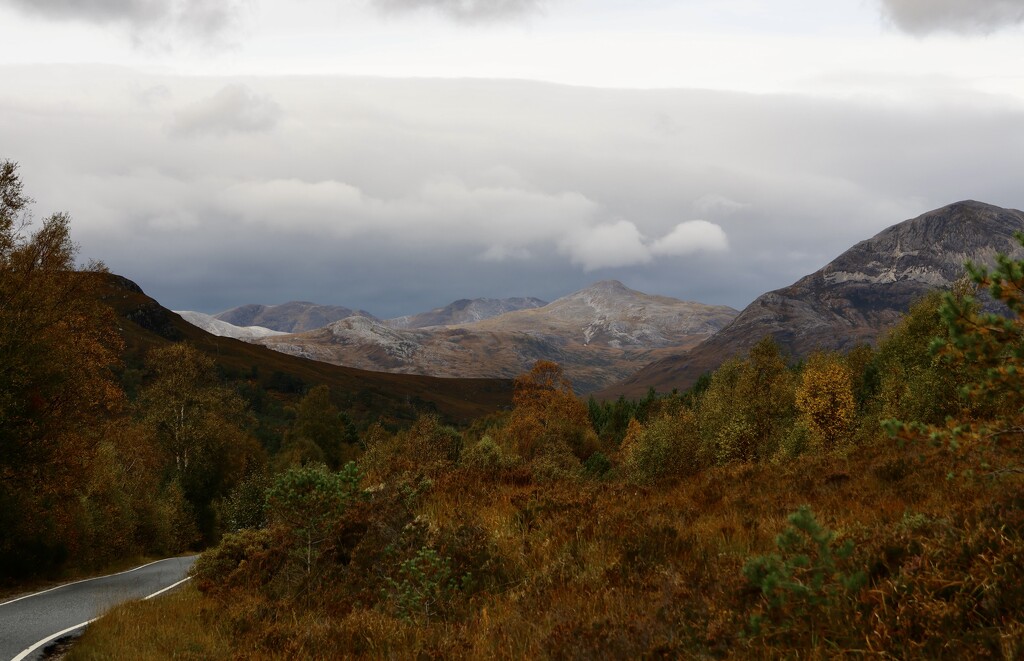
(28, 620)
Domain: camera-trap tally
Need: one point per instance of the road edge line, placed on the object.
(35, 646)
(24, 653)
(169, 587)
(84, 580)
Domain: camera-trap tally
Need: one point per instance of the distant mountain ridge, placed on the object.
(465, 311)
(853, 299)
(220, 328)
(291, 317)
(599, 334)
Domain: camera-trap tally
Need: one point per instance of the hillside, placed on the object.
(599, 335)
(291, 317)
(365, 395)
(853, 299)
(465, 311)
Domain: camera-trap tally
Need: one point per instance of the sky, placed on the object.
(396, 155)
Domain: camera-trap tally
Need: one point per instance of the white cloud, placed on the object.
(232, 109)
(691, 237)
(606, 246)
(961, 16)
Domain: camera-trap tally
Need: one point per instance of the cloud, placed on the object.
(720, 205)
(607, 246)
(232, 109)
(149, 21)
(467, 11)
(691, 237)
(961, 16)
(396, 196)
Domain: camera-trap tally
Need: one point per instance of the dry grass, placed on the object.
(590, 570)
(179, 625)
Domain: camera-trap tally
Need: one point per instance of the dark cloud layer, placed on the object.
(468, 11)
(148, 21)
(960, 16)
(397, 196)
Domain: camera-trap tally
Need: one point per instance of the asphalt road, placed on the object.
(27, 620)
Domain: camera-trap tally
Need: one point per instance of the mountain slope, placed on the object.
(366, 396)
(855, 298)
(599, 335)
(291, 317)
(464, 311)
(220, 328)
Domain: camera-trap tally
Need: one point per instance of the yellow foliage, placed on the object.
(825, 398)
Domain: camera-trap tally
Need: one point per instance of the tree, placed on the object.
(318, 422)
(201, 425)
(747, 407)
(825, 398)
(986, 350)
(309, 503)
(58, 347)
(547, 413)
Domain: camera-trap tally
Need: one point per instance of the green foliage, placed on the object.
(913, 382)
(309, 502)
(664, 448)
(748, 407)
(804, 584)
(246, 505)
(597, 465)
(423, 586)
(202, 426)
(319, 423)
(486, 455)
(985, 351)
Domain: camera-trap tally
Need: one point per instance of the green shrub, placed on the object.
(804, 586)
(424, 586)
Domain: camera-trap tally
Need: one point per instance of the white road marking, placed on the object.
(24, 654)
(84, 580)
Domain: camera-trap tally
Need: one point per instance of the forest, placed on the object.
(859, 504)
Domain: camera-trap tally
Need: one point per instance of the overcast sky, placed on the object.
(395, 155)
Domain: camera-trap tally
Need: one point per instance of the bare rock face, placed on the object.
(855, 298)
(292, 317)
(599, 334)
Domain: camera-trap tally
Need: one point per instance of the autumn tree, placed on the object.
(748, 406)
(58, 346)
(202, 427)
(546, 413)
(825, 400)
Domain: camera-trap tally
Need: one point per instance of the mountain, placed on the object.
(464, 311)
(292, 317)
(366, 396)
(599, 335)
(855, 298)
(220, 328)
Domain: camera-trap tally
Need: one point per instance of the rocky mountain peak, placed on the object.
(856, 297)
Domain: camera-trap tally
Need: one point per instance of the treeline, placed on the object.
(101, 460)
